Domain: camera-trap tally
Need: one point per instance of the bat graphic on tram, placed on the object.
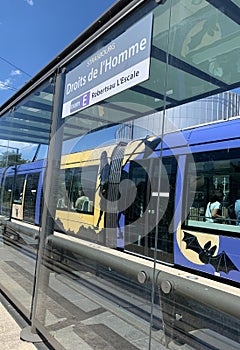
(149, 197)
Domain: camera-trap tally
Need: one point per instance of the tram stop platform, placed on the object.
(11, 325)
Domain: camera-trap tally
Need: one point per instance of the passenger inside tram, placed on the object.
(210, 173)
(82, 202)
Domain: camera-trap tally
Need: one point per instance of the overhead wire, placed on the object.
(4, 84)
(8, 86)
(13, 65)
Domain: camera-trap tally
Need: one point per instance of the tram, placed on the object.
(21, 191)
(150, 202)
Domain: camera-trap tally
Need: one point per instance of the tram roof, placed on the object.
(26, 117)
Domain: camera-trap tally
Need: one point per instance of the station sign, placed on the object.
(121, 64)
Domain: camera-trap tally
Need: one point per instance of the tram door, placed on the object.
(149, 220)
(17, 206)
(30, 197)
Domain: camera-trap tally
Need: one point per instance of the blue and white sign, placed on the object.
(116, 67)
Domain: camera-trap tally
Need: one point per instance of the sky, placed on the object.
(33, 32)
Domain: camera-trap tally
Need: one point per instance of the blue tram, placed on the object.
(168, 215)
(142, 212)
(21, 192)
(162, 216)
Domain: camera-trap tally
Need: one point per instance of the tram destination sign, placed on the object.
(116, 67)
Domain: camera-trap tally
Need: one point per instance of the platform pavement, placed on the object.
(11, 325)
(10, 333)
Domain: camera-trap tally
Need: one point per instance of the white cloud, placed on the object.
(5, 85)
(30, 2)
(8, 83)
(15, 72)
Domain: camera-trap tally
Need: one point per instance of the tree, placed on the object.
(11, 158)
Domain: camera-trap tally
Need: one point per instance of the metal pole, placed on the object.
(49, 208)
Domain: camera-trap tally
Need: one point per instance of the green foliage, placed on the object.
(11, 158)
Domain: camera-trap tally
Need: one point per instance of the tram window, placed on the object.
(7, 195)
(30, 197)
(18, 189)
(62, 195)
(206, 173)
(80, 184)
(139, 177)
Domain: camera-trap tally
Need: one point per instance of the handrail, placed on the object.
(170, 280)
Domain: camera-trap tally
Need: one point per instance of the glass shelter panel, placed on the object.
(24, 139)
(131, 261)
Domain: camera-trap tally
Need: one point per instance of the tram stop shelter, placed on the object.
(136, 73)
